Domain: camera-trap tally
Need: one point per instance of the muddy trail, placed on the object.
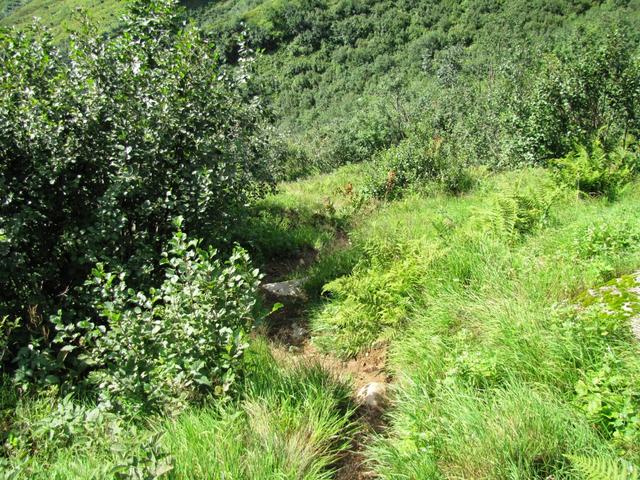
(289, 335)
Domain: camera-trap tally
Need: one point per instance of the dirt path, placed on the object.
(291, 343)
(289, 335)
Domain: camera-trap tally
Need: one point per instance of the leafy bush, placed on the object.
(6, 328)
(171, 345)
(359, 137)
(596, 170)
(610, 397)
(42, 435)
(292, 161)
(607, 390)
(416, 162)
(104, 144)
(588, 88)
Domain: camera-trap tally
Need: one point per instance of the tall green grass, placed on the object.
(501, 371)
(293, 422)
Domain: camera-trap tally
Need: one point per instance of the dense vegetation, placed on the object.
(502, 81)
(463, 174)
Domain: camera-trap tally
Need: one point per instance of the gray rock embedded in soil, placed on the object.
(373, 396)
(298, 334)
(288, 290)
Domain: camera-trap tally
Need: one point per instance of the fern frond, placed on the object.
(598, 468)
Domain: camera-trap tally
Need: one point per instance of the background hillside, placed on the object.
(349, 78)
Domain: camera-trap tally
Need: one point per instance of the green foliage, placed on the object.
(41, 435)
(610, 399)
(62, 16)
(495, 375)
(357, 140)
(589, 88)
(595, 468)
(350, 78)
(607, 239)
(6, 328)
(292, 422)
(172, 345)
(370, 304)
(521, 212)
(608, 393)
(597, 170)
(486, 359)
(104, 145)
(417, 162)
(512, 82)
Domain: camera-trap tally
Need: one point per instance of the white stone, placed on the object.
(290, 289)
(373, 396)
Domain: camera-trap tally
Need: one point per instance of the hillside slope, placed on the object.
(347, 79)
(60, 16)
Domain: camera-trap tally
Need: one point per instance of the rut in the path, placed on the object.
(290, 340)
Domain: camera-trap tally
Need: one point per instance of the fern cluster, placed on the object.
(598, 170)
(598, 468)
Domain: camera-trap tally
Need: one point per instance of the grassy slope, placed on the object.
(505, 367)
(61, 15)
(497, 377)
(496, 374)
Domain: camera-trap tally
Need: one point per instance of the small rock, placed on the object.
(291, 289)
(298, 333)
(373, 396)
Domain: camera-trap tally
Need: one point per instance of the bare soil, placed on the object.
(289, 335)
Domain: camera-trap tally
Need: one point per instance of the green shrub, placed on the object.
(6, 328)
(607, 239)
(160, 349)
(417, 162)
(292, 161)
(610, 397)
(357, 138)
(608, 390)
(596, 170)
(104, 144)
(51, 437)
(588, 87)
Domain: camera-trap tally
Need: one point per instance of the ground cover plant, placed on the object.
(292, 422)
(502, 332)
